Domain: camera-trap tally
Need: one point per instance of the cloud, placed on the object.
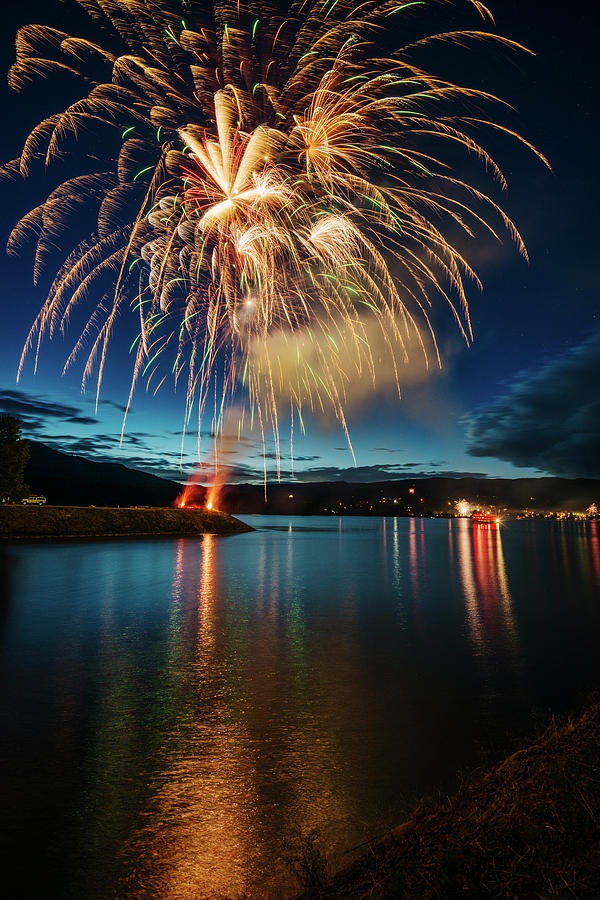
(118, 406)
(351, 475)
(382, 472)
(549, 419)
(34, 411)
(50, 421)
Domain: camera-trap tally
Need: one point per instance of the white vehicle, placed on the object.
(34, 500)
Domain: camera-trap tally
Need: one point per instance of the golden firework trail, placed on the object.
(276, 191)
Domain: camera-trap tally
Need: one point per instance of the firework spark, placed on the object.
(463, 508)
(281, 189)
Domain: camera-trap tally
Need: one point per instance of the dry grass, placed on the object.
(528, 828)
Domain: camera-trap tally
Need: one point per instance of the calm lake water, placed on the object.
(177, 714)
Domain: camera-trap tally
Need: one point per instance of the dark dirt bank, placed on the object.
(528, 828)
(83, 521)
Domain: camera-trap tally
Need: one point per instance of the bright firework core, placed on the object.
(282, 212)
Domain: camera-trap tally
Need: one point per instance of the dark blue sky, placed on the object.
(522, 399)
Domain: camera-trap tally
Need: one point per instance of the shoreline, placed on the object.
(58, 522)
(526, 827)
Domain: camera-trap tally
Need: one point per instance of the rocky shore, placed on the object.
(50, 522)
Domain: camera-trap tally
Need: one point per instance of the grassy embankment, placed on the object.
(528, 828)
(85, 521)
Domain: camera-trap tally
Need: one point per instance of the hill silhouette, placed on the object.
(67, 479)
(73, 481)
(421, 496)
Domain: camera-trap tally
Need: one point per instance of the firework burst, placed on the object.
(279, 191)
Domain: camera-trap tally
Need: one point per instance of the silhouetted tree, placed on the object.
(14, 453)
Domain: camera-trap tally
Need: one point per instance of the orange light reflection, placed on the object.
(485, 586)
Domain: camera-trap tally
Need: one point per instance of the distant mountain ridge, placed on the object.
(72, 480)
(75, 481)
(419, 496)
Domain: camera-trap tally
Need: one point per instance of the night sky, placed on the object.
(523, 399)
